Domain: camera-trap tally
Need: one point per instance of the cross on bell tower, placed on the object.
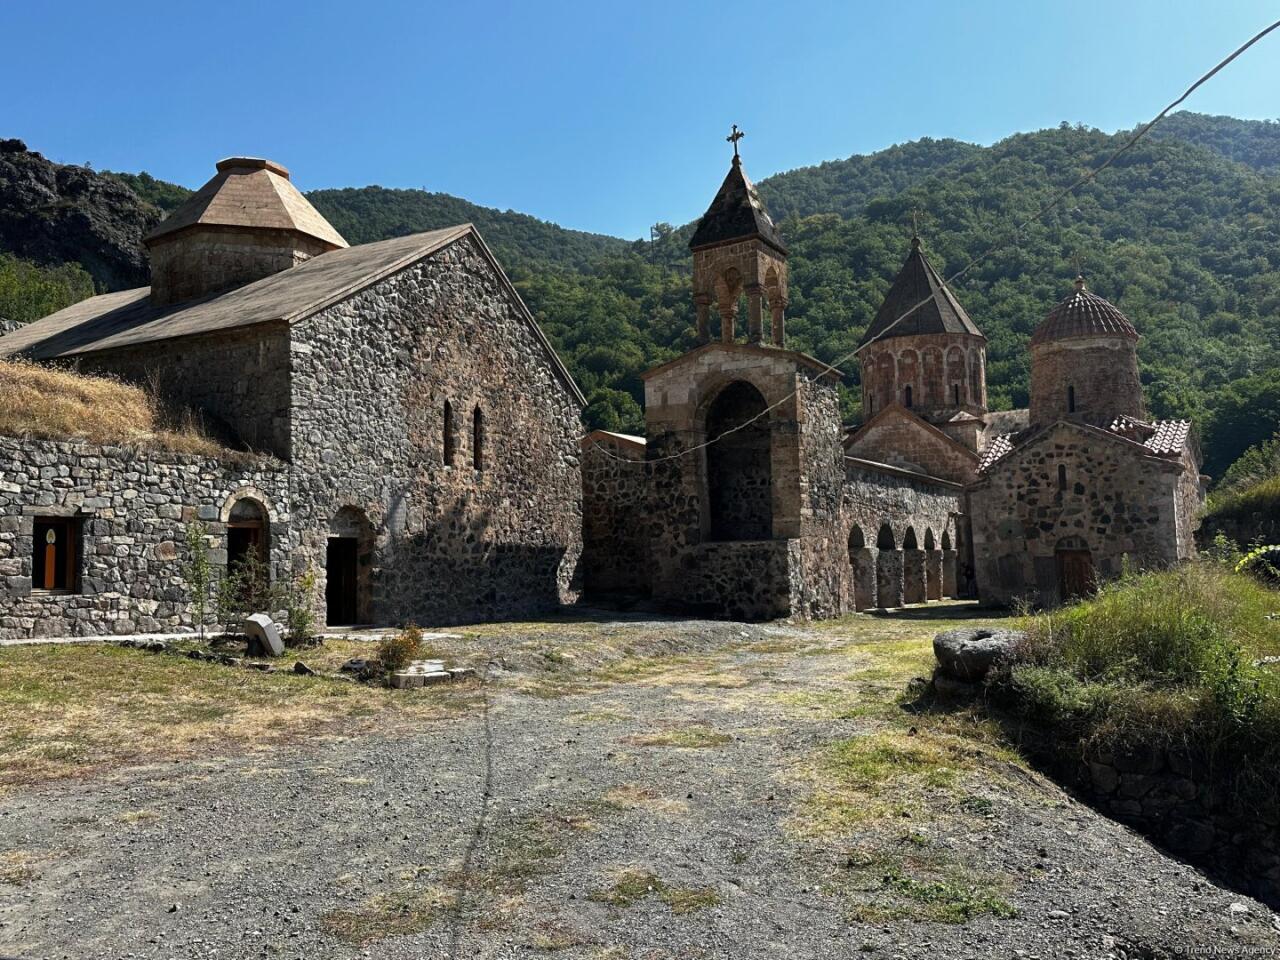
(737, 250)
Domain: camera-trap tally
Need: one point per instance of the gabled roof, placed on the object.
(253, 193)
(736, 213)
(919, 302)
(898, 411)
(1162, 439)
(625, 440)
(129, 318)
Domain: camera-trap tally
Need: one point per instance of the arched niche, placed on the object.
(739, 478)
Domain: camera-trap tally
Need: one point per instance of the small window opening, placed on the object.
(1071, 399)
(477, 439)
(1062, 477)
(450, 441)
(906, 394)
(56, 554)
(955, 394)
(871, 403)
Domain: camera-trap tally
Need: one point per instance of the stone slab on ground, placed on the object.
(264, 636)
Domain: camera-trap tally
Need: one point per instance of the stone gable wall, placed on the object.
(1117, 501)
(238, 379)
(903, 442)
(615, 554)
(133, 507)
(371, 376)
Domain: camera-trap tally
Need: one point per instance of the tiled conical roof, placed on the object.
(736, 213)
(917, 281)
(1083, 314)
(253, 193)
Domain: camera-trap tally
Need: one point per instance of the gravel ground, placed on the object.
(658, 815)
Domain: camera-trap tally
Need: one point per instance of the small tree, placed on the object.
(298, 618)
(199, 571)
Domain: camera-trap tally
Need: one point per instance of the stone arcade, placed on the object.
(420, 436)
(749, 499)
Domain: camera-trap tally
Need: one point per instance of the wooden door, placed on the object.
(1075, 574)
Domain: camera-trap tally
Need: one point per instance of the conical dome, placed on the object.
(1083, 314)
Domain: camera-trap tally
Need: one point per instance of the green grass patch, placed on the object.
(918, 888)
(633, 885)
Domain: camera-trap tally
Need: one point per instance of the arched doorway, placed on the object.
(739, 471)
(248, 533)
(862, 562)
(348, 568)
(912, 568)
(888, 569)
(1076, 575)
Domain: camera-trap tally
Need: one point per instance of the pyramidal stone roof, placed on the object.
(918, 286)
(250, 192)
(736, 213)
(1083, 314)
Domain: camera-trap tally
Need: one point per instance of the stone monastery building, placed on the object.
(746, 497)
(422, 454)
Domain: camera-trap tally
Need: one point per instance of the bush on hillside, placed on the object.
(1179, 657)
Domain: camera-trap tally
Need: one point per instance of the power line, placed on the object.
(1017, 229)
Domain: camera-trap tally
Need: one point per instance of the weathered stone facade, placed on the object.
(1077, 489)
(487, 533)
(429, 436)
(130, 510)
(615, 556)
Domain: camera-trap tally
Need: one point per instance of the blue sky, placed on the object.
(597, 115)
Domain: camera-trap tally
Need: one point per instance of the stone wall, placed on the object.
(453, 540)
(131, 508)
(208, 259)
(1112, 499)
(897, 437)
(239, 380)
(946, 372)
(1099, 373)
(615, 548)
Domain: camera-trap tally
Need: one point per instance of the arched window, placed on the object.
(477, 439)
(1071, 399)
(946, 540)
(909, 540)
(856, 542)
(739, 469)
(928, 539)
(247, 545)
(450, 439)
(884, 539)
(906, 395)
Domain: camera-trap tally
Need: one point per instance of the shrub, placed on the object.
(399, 649)
(299, 620)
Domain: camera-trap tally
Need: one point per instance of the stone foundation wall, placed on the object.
(132, 508)
(743, 580)
(615, 549)
(1180, 801)
(456, 537)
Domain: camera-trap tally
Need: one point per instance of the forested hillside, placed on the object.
(1183, 233)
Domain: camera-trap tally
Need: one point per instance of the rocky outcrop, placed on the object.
(52, 213)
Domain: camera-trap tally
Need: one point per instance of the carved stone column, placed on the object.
(728, 316)
(779, 309)
(702, 304)
(755, 318)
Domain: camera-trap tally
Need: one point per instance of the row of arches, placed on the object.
(929, 378)
(896, 571)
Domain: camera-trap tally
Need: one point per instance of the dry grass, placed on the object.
(18, 867)
(630, 886)
(57, 404)
(72, 710)
(403, 912)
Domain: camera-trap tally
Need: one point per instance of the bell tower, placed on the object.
(736, 250)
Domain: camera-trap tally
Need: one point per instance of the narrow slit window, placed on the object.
(906, 396)
(1062, 477)
(450, 441)
(56, 554)
(1071, 399)
(955, 394)
(477, 439)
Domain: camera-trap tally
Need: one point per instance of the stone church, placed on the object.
(420, 437)
(748, 498)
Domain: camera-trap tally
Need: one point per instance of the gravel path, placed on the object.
(578, 826)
